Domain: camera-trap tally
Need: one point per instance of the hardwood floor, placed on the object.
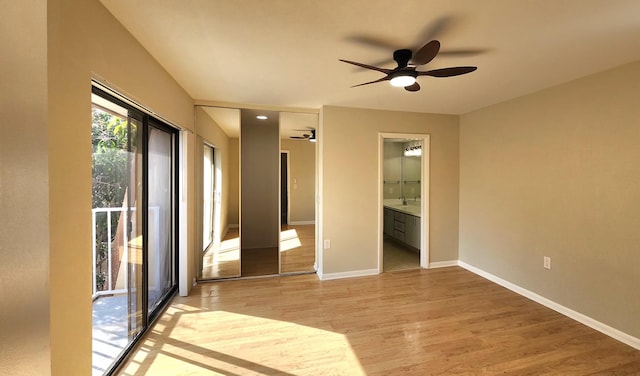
(297, 248)
(297, 254)
(416, 322)
(223, 260)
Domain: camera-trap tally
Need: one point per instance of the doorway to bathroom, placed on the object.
(403, 202)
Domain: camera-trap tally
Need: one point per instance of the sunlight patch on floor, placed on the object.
(289, 240)
(238, 344)
(229, 250)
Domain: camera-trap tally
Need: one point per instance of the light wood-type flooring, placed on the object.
(297, 254)
(445, 321)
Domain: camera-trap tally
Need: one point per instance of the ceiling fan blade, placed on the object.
(372, 41)
(383, 70)
(386, 61)
(437, 28)
(463, 52)
(414, 87)
(426, 53)
(448, 72)
(387, 78)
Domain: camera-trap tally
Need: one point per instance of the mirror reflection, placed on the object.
(230, 223)
(298, 191)
(217, 176)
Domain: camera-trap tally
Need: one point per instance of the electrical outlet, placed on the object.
(547, 262)
(327, 244)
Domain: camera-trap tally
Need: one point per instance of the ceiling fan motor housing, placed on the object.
(402, 57)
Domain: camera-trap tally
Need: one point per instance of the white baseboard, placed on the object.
(293, 223)
(586, 320)
(351, 274)
(443, 264)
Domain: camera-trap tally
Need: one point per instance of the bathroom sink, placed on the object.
(412, 207)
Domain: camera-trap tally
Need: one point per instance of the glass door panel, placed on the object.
(133, 219)
(117, 231)
(135, 238)
(160, 215)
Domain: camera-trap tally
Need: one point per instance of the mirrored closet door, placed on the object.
(257, 192)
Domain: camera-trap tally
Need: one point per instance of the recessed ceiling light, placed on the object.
(261, 117)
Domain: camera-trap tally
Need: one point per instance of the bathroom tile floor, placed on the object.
(397, 257)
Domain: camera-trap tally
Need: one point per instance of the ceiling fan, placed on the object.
(406, 73)
(306, 136)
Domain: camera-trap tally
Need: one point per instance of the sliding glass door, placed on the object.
(133, 218)
(161, 176)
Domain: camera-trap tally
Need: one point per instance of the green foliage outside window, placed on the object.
(114, 141)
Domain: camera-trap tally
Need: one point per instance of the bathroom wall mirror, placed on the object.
(253, 217)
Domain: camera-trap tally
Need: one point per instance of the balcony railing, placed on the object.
(109, 287)
(108, 283)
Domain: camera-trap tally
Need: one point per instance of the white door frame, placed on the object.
(424, 194)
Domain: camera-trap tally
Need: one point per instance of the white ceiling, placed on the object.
(285, 52)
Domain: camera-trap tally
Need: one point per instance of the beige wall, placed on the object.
(349, 186)
(84, 39)
(302, 168)
(24, 190)
(557, 174)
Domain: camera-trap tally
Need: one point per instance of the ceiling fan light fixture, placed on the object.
(403, 79)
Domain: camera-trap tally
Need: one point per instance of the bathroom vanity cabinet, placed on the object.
(402, 227)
